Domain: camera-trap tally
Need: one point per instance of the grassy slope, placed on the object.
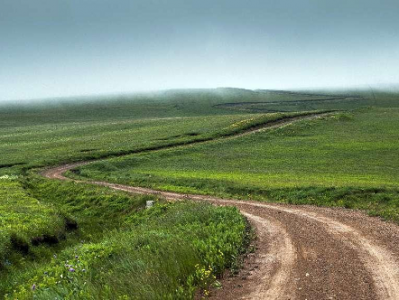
(24, 221)
(34, 219)
(349, 150)
(46, 134)
(190, 103)
(116, 237)
(356, 151)
(39, 145)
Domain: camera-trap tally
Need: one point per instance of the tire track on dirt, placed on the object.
(275, 265)
(377, 260)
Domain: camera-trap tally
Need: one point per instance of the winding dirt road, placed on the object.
(302, 252)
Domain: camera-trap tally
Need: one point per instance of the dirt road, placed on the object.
(303, 252)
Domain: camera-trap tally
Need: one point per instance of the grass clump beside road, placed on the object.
(87, 203)
(382, 202)
(166, 252)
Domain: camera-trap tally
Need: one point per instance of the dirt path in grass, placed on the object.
(302, 252)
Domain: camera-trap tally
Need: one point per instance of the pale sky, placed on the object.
(57, 48)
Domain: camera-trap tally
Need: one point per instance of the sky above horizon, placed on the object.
(54, 48)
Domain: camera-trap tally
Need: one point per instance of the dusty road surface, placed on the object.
(303, 252)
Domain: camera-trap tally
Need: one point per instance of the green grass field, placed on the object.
(344, 158)
(41, 145)
(54, 132)
(175, 141)
(351, 149)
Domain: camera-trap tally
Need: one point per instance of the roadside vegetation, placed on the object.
(166, 252)
(25, 222)
(171, 250)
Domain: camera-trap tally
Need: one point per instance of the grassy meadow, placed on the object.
(70, 240)
(349, 159)
(41, 145)
(346, 149)
(48, 132)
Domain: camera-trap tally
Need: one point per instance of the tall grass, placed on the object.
(166, 252)
(25, 222)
